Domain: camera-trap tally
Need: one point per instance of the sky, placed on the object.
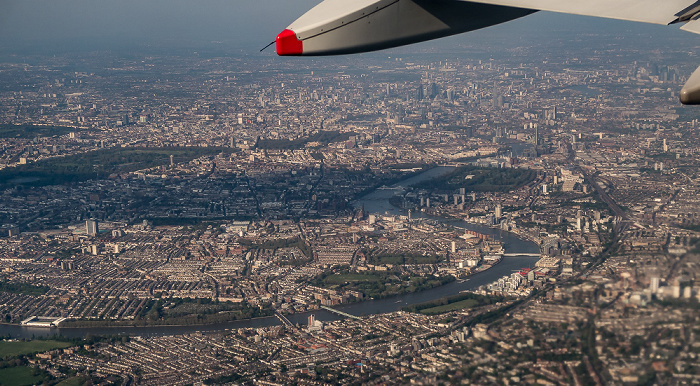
(238, 22)
(65, 25)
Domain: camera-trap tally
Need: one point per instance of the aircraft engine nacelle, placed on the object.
(350, 26)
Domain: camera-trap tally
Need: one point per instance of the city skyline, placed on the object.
(488, 209)
(79, 25)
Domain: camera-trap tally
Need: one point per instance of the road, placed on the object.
(614, 208)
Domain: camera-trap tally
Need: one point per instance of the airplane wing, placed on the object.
(645, 11)
(350, 26)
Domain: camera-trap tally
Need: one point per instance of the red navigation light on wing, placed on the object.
(342, 26)
(288, 44)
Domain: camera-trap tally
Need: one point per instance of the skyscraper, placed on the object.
(419, 93)
(91, 227)
(654, 287)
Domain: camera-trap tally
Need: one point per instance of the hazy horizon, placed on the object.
(33, 26)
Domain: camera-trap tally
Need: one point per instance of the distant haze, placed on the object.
(66, 25)
(239, 22)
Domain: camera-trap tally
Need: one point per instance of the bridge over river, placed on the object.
(341, 313)
(521, 253)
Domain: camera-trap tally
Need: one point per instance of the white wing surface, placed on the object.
(692, 26)
(349, 26)
(646, 11)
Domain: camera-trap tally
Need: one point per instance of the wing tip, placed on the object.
(288, 44)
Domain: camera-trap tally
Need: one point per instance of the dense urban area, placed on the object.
(265, 205)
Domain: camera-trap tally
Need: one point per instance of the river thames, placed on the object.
(374, 202)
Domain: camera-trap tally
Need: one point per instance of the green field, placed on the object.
(12, 349)
(99, 164)
(480, 179)
(379, 284)
(469, 303)
(32, 131)
(452, 303)
(75, 381)
(23, 288)
(322, 137)
(20, 376)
